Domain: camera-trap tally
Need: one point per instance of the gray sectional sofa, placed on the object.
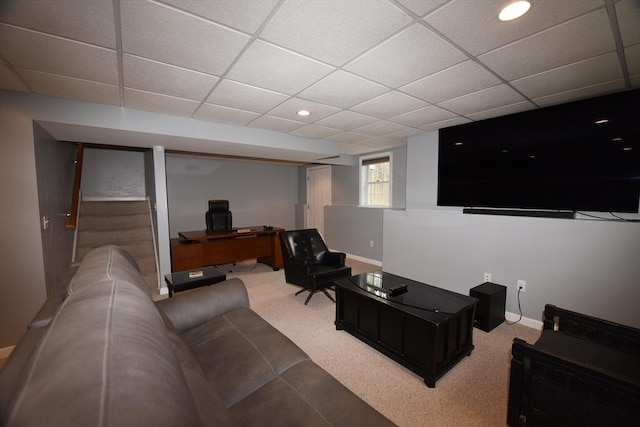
(101, 353)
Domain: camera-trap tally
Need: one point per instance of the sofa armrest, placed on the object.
(193, 308)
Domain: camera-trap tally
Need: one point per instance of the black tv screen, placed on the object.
(580, 156)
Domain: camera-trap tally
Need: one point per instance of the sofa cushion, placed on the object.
(105, 359)
(254, 353)
(306, 395)
(211, 409)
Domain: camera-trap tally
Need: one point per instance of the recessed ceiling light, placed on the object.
(303, 113)
(616, 139)
(459, 143)
(602, 121)
(514, 10)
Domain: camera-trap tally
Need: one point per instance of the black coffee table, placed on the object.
(191, 279)
(426, 329)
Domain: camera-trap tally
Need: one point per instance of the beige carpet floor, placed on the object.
(473, 393)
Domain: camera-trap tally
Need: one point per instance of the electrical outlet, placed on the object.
(487, 277)
(370, 243)
(522, 285)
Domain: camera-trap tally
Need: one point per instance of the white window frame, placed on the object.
(364, 179)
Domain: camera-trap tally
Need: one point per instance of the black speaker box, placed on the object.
(491, 305)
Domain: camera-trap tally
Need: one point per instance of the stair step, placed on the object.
(147, 264)
(137, 249)
(123, 223)
(106, 208)
(113, 237)
(110, 222)
(152, 280)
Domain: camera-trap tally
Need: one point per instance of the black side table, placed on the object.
(191, 279)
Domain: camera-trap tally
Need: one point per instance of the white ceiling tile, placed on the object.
(270, 67)
(389, 104)
(334, 31)
(452, 82)
(90, 21)
(148, 101)
(406, 57)
(276, 124)
(349, 137)
(404, 134)
(581, 38)
(628, 13)
(10, 81)
(581, 93)
(343, 90)
(424, 116)
(216, 113)
(474, 25)
(585, 73)
(421, 7)
(632, 55)
(72, 88)
(165, 79)
(245, 15)
(486, 99)
(445, 124)
(315, 131)
(192, 43)
(354, 149)
(381, 128)
(245, 97)
(502, 111)
(346, 120)
(37, 51)
(289, 110)
(635, 81)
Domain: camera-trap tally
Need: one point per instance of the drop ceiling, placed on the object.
(371, 72)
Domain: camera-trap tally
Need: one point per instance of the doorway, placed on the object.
(318, 196)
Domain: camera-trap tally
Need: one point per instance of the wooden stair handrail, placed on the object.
(75, 197)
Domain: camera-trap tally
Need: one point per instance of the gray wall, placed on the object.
(55, 170)
(22, 283)
(354, 230)
(113, 173)
(258, 193)
(588, 266)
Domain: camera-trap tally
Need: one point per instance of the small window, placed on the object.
(375, 179)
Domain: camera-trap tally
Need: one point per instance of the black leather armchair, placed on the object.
(218, 217)
(309, 263)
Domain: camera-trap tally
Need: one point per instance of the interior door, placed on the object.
(318, 196)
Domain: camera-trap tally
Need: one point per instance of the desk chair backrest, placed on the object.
(218, 217)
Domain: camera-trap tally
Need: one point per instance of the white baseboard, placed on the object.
(164, 290)
(367, 260)
(6, 351)
(525, 321)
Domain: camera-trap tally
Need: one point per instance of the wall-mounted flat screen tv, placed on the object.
(580, 156)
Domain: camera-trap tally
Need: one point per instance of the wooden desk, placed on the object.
(196, 249)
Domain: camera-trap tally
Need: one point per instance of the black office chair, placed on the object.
(309, 263)
(218, 217)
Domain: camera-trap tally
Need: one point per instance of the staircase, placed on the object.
(123, 223)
